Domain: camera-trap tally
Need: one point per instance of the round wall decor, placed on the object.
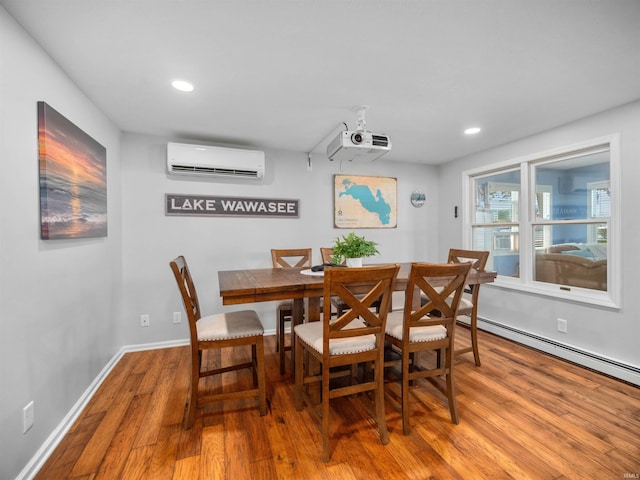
(417, 198)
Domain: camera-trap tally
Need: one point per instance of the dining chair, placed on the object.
(217, 331)
(429, 327)
(356, 336)
(287, 258)
(326, 253)
(469, 301)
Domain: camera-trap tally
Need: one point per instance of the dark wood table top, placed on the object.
(268, 284)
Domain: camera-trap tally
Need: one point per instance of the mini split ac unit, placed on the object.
(203, 160)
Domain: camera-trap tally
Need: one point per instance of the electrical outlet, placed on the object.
(177, 317)
(562, 325)
(144, 320)
(27, 417)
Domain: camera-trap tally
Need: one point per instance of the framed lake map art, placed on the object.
(73, 179)
(365, 202)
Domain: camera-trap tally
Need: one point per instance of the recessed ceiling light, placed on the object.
(472, 130)
(182, 85)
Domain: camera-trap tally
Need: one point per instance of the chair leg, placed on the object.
(404, 393)
(474, 335)
(326, 451)
(355, 374)
(254, 364)
(281, 342)
(451, 394)
(262, 390)
(412, 367)
(190, 414)
(379, 398)
(299, 377)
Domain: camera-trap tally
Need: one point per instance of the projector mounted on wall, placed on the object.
(359, 144)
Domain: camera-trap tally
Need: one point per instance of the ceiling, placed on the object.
(285, 74)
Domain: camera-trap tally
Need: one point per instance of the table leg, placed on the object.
(313, 309)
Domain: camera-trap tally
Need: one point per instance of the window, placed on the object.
(550, 222)
(496, 225)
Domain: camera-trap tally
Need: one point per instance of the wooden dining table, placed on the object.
(271, 284)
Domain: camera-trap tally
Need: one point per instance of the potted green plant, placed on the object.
(353, 248)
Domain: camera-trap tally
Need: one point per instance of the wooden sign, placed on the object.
(206, 205)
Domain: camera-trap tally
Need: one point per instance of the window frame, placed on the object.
(591, 187)
(527, 221)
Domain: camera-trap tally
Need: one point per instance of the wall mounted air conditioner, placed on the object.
(207, 160)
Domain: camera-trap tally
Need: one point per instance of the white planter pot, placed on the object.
(354, 262)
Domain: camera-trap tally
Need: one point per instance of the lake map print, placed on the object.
(73, 179)
(365, 202)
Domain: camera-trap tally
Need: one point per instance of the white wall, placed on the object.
(210, 244)
(69, 306)
(612, 334)
(59, 299)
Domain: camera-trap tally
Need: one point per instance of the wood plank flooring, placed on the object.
(523, 415)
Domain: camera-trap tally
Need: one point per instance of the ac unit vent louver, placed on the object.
(208, 160)
(215, 171)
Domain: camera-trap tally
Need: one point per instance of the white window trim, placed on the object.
(612, 297)
(592, 232)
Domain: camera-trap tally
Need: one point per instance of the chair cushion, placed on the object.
(285, 306)
(395, 323)
(222, 326)
(311, 334)
(465, 303)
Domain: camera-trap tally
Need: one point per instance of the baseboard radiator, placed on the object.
(604, 365)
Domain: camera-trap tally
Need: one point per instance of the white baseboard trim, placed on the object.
(50, 444)
(599, 363)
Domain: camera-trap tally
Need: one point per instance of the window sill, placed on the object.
(576, 294)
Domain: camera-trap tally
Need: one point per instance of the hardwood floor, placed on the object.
(523, 415)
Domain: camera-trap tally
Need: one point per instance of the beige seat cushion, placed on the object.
(395, 323)
(311, 334)
(286, 305)
(465, 303)
(221, 326)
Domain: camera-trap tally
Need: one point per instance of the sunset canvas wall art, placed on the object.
(73, 179)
